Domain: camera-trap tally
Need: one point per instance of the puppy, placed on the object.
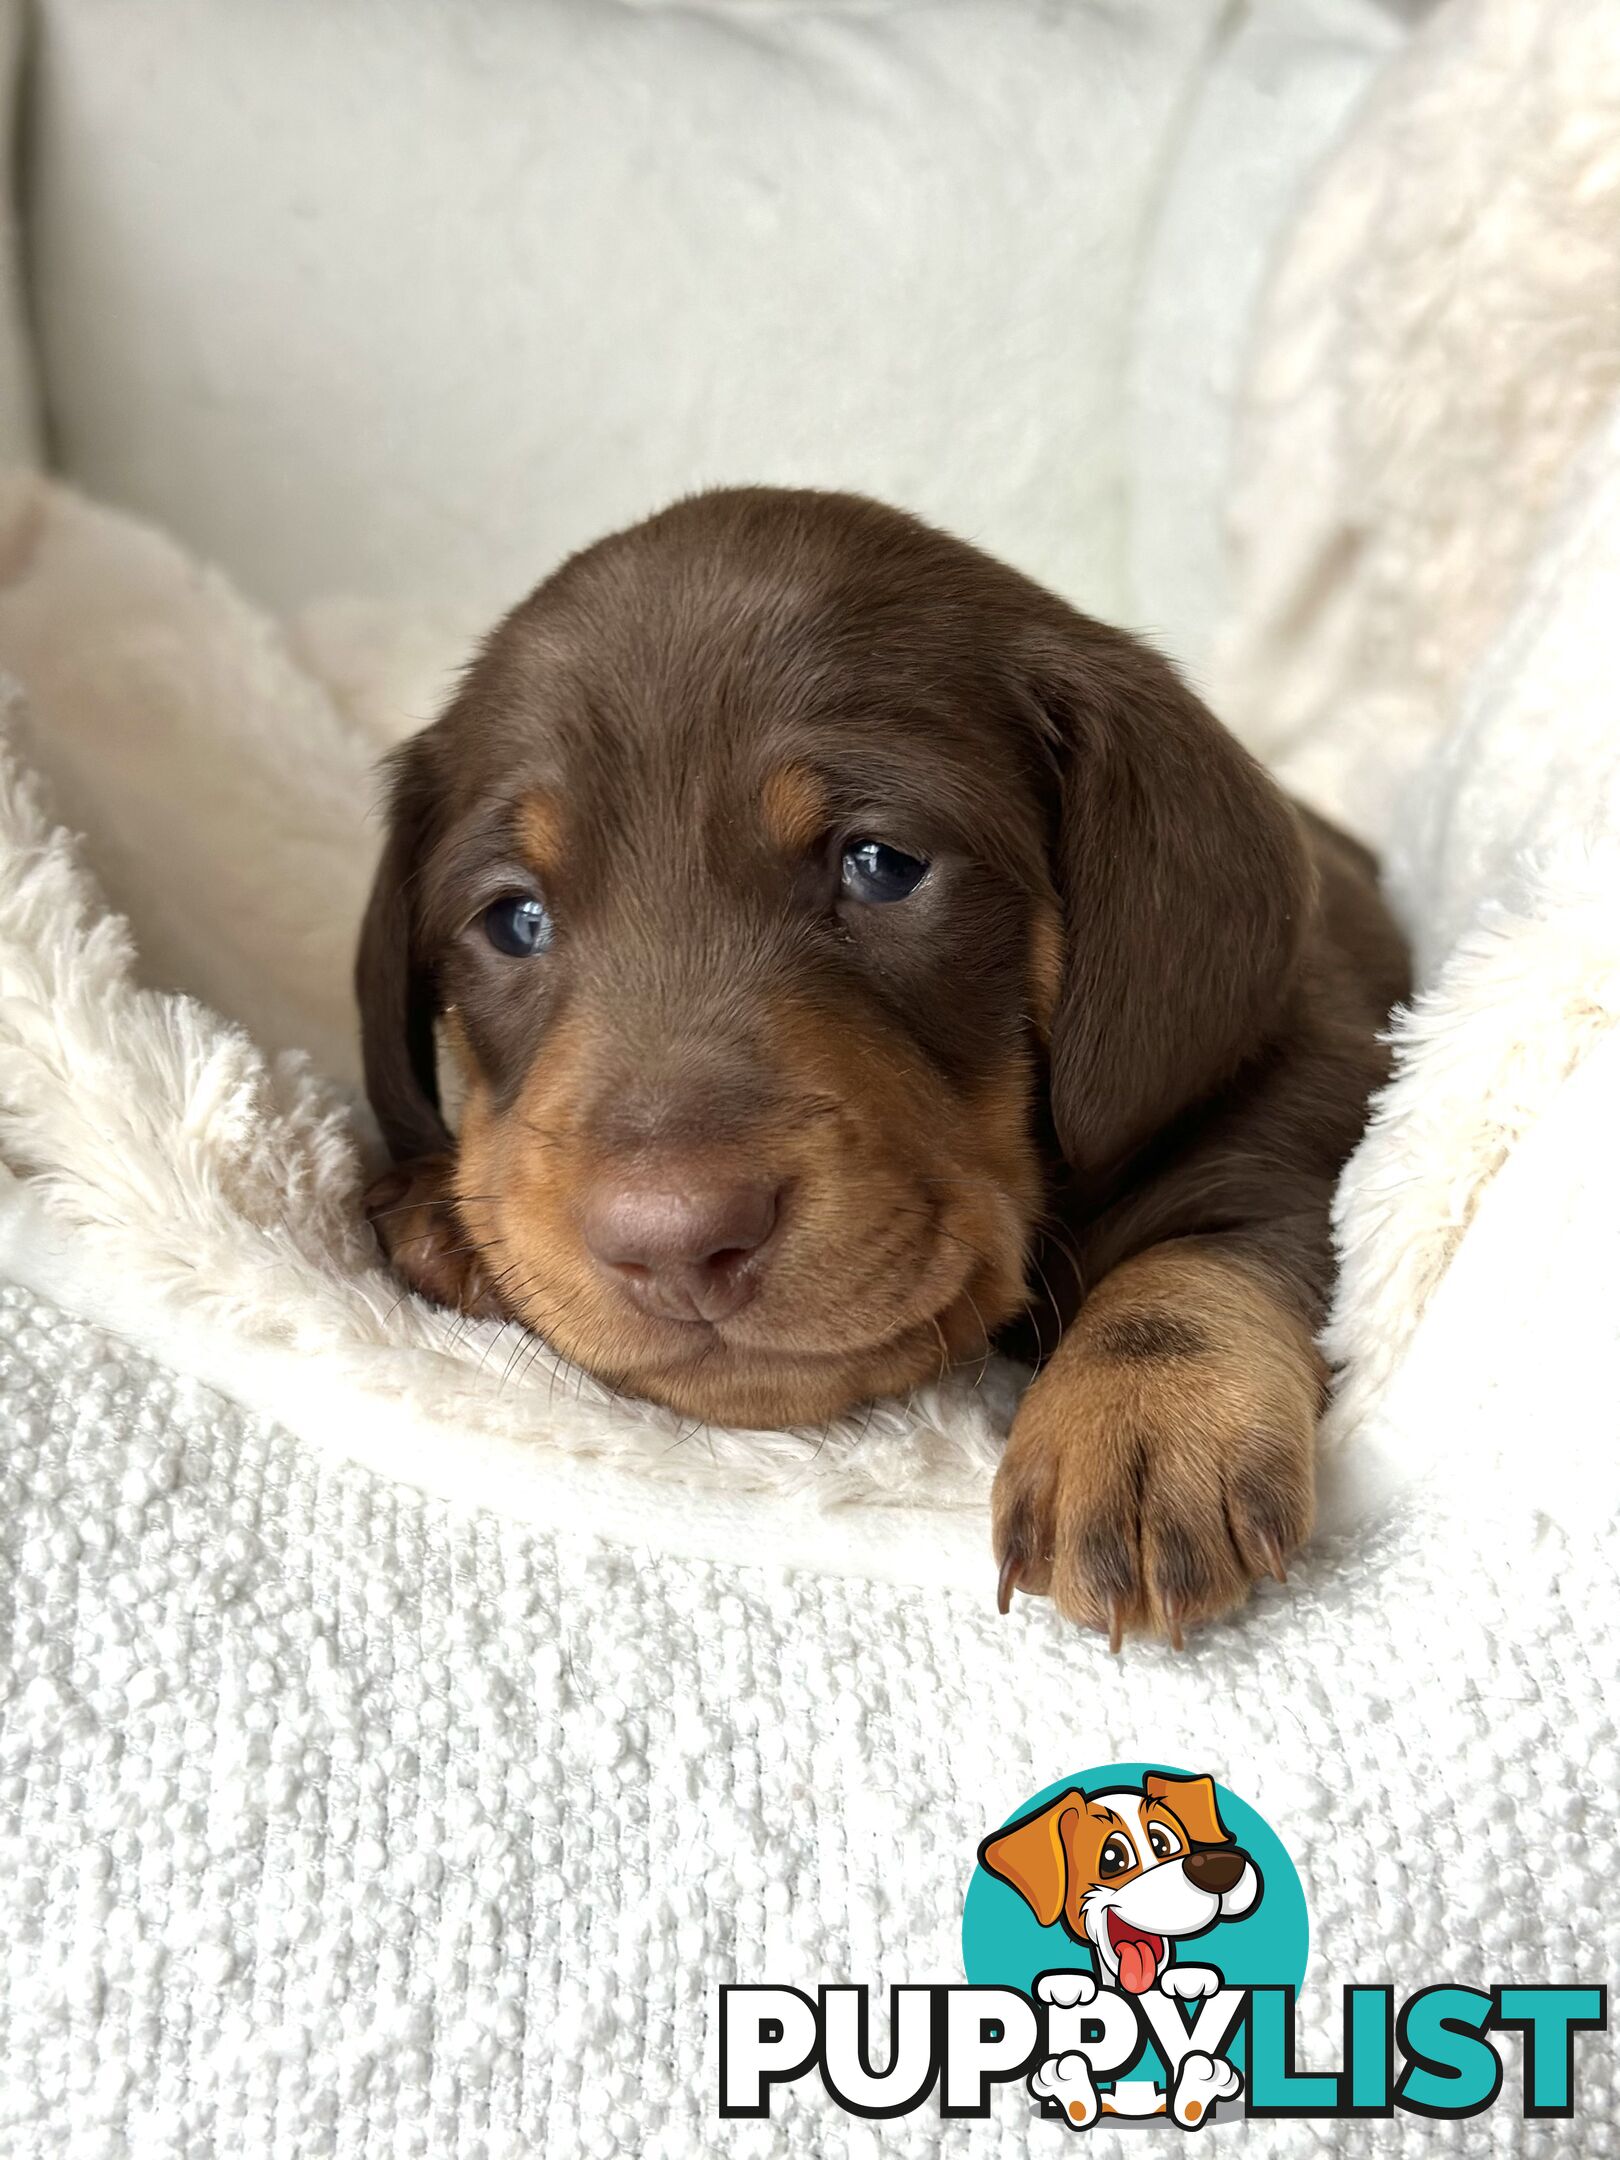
(854, 958)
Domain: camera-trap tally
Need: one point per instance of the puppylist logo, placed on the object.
(1134, 1939)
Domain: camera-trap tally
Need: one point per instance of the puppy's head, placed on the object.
(791, 880)
(1128, 1872)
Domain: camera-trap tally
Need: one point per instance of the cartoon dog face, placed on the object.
(1128, 1872)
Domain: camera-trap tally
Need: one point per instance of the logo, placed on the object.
(1134, 1939)
(1128, 1902)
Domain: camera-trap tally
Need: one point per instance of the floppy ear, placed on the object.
(1184, 885)
(395, 988)
(1033, 1856)
(1192, 1801)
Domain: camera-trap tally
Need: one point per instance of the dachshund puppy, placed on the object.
(853, 957)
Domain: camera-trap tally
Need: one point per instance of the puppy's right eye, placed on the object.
(519, 926)
(1117, 1856)
(874, 872)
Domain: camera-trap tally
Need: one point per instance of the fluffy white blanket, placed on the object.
(553, 1778)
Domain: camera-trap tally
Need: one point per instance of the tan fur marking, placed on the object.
(932, 1192)
(794, 805)
(540, 833)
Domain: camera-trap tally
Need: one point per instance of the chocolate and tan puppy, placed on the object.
(854, 954)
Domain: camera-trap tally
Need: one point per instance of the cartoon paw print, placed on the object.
(1189, 1983)
(1066, 1990)
(1200, 2082)
(1067, 2082)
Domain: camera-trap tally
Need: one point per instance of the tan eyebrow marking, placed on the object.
(794, 804)
(539, 828)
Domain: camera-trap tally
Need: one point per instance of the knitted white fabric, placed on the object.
(335, 1825)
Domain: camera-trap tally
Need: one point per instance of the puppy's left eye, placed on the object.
(872, 871)
(519, 926)
(1162, 1841)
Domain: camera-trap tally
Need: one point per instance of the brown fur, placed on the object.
(1094, 1080)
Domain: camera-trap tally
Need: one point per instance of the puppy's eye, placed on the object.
(1162, 1841)
(518, 926)
(1117, 1856)
(876, 873)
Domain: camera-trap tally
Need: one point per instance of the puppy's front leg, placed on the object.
(1164, 1458)
(423, 1230)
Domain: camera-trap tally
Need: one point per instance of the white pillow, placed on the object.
(408, 300)
(1273, 98)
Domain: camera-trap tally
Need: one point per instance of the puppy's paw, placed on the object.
(1164, 1459)
(426, 1240)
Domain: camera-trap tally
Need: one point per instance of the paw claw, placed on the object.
(1273, 1554)
(1160, 1525)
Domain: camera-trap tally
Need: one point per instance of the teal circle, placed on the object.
(1004, 1945)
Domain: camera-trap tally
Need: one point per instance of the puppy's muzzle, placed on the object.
(682, 1242)
(1215, 1871)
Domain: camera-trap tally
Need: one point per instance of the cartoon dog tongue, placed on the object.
(1139, 1956)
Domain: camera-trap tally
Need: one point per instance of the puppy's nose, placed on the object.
(683, 1248)
(1216, 1871)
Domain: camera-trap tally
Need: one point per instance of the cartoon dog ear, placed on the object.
(1183, 882)
(1033, 1855)
(1192, 1801)
(398, 1004)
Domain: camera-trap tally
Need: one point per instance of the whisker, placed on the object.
(451, 1252)
(984, 1361)
(944, 1350)
(449, 1200)
(1060, 1245)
